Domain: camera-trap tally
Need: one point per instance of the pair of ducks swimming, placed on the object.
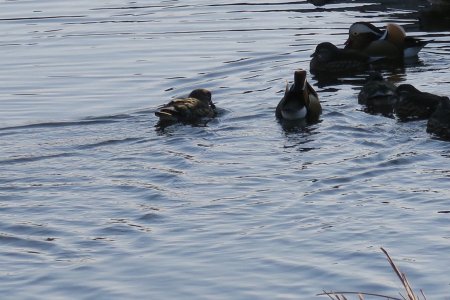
(300, 102)
(407, 103)
(366, 43)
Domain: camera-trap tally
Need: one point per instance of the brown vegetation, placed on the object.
(407, 288)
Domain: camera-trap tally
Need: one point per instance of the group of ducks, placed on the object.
(407, 103)
(366, 44)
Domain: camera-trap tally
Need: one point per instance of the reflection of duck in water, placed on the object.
(327, 58)
(439, 122)
(392, 42)
(193, 109)
(300, 101)
(413, 104)
(378, 95)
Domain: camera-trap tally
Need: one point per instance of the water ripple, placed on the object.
(110, 207)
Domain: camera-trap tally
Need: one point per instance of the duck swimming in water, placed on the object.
(378, 95)
(329, 59)
(300, 101)
(390, 43)
(197, 107)
(439, 121)
(413, 104)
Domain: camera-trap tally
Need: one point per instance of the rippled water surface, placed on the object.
(97, 204)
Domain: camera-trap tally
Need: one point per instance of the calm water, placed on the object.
(96, 204)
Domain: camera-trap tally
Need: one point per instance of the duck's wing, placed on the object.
(314, 106)
(187, 109)
(395, 34)
(383, 48)
(425, 99)
(416, 105)
(377, 89)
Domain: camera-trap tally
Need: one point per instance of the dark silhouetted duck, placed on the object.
(439, 121)
(391, 42)
(319, 2)
(444, 3)
(193, 109)
(435, 18)
(378, 95)
(413, 104)
(327, 58)
(300, 101)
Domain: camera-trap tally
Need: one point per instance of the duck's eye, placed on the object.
(355, 33)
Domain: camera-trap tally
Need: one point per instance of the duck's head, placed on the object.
(375, 76)
(325, 52)
(203, 95)
(406, 90)
(361, 34)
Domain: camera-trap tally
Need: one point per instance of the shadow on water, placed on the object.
(385, 111)
(376, 5)
(294, 126)
(168, 128)
(298, 133)
(298, 126)
(328, 80)
(395, 70)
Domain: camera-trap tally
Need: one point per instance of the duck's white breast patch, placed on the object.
(412, 51)
(294, 115)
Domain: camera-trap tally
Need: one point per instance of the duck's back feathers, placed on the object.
(395, 34)
(413, 104)
(314, 106)
(377, 95)
(327, 58)
(293, 104)
(410, 45)
(382, 48)
(192, 109)
(375, 87)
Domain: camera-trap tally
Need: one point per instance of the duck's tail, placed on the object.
(413, 46)
(167, 114)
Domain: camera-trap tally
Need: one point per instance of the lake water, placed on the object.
(97, 204)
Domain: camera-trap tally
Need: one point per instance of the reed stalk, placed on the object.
(410, 295)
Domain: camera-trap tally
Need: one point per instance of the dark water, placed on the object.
(97, 204)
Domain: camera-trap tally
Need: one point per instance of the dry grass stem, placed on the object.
(406, 285)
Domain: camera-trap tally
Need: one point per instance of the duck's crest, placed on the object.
(365, 27)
